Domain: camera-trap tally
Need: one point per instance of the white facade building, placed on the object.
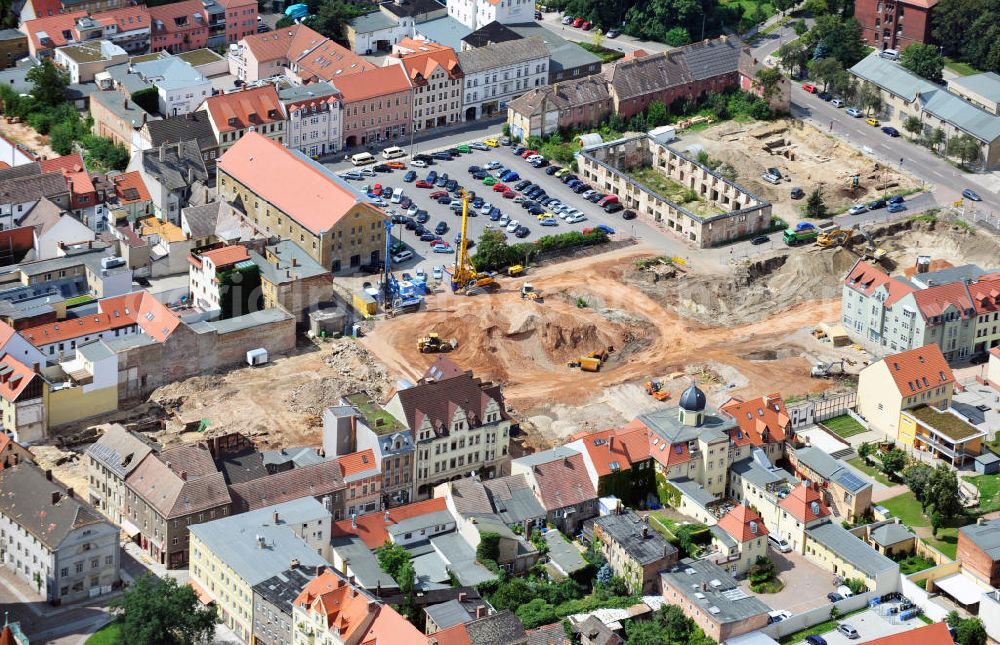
(475, 14)
(499, 73)
(314, 118)
(181, 88)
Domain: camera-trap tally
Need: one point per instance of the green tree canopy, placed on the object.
(815, 206)
(942, 493)
(893, 462)
(768, 82)
(48, 84)
(160, 611)
(923, 60)
(391, 558)
(917, 477)
(965, 147)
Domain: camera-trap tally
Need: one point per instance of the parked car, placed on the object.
(837, 102)
(441, 247)
(613, 207)
(402, 256)
(815, 639)
(809, 87)
(845, 591)
(876, 204)
(798, 193)
(613, 33)
(855, 112)
(382, 167)
(428, 237)
(478, 145)
(441, 156)
(898, 199)
(522, 232)
(760, 239)
(423, 183)
(629, 214)
(779, 544)
(872, 122)
(512, 226)
(826, 96)
(553, 169)
(848, 631)
(577, 22)
(857, 209)
(587, 25)
(437, 272)
(834, 597)
(968, 193)
(567, 20)
(410, 176)
(548, 221)
(418, 163)
(891, 131)
(897, 208)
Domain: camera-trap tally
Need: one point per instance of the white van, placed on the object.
(362, 158)
(393, 152)
(779, 543)
(891, 54)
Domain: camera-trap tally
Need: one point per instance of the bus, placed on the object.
(362, 158)
(393, 153)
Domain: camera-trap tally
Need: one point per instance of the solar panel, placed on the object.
(734, 594)
(851, 481)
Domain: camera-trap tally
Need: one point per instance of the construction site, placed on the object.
(806, 157)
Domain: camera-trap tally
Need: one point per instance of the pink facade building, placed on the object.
(179, 27)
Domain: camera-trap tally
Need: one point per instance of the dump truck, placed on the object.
(656, 390)
(433, 342)
(794, 237)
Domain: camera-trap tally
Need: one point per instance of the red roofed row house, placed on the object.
(128, 27)
(436, 77)
(958, 309)
(235, 114)
(738, 540)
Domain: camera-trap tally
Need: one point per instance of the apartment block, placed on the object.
(436, 78)
(979, 550)
(257, 110)
(895, 24)
(559, 480)
(110, 460)
(635, 552)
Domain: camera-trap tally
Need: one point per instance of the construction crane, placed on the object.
(464, 276)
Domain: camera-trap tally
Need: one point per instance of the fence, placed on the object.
(807, 619)
(922, 599)
(820, 408)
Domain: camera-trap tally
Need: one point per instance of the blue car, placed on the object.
(895, 208)
(548, 221)
(478, 202)
(509, 176)
(432, 176)
(495, 215)
(410, 176)
(573, 183)
(898, 199)
(607, 229)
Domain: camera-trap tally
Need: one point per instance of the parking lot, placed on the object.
(870, 626)
(457, 169)
(806, 584)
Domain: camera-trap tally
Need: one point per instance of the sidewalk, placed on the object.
(480, 126)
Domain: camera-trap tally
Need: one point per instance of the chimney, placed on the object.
(190, 176)
(274, 517)
(704, 586)
(462, 596)
(144, 115)
(48, 475)
(481, 611)
(294, 564)
(184, 475)
(55, 497)
(645, 532)
(387, 515)
(163, 152)
(666, 550)
(320, 570)
(125, 104)
(69, 493)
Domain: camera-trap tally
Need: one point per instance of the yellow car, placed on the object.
(493, 143)
(562, 172)
(542, 216)
(872, 122)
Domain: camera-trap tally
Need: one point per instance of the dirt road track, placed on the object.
(525, 345)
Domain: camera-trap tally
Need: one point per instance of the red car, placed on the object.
(586, 26)
(423, 183)
(437, 194)
(809, 87)
(578, 22)
(499, 188)
(509, 194)
(397, 165)
(528, 153)
(377, 190)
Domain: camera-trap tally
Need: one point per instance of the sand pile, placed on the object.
(353, 369)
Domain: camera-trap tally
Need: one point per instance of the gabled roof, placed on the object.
(563, 482)
(328, 61)
(635, 537)
(317, 480)
(390, 628)
(933, 634)
(805, 503)
(985, 293)
(119, 450)
(760, 420)
(344, 609)
(358, 464)
(371, 528)
(743, 524)
(26, 497)
(193, 126)
(613, 450)
(851, 549)
(166, 484)
(185, 15)
(15, 377)
(426, 57)
(239, 110)
(918, 370)
(286, 43)
(71, 166)
(374, 82)
(130, 188)
(303, 189)
(181, 161)
(227, 255)
(562, 96)
(136, 308)
(438, 400)
(500, 54)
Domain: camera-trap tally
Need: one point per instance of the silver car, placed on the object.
(848, 631)
(855, 112)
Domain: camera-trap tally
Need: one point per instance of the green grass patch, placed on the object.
(606, 55)
(378, 419)
(960, 68)
(989, 491)
(663, 525)
(771, 586)
(844, 426)
(820, 628)
(907, 509)
(913, 563)
(925, 619)
(104, 636)
(79, 300)
(946, 542)
(674, 191)
(871, 471)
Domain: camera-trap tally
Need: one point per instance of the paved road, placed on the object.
(622, 43)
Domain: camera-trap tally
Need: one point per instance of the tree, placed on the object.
(913, 125)
(965, 147)
(952, 22)
(597, 37)
(815, 206)
(645, 632)
(866, 450)
(841, 38)
(605, 574)
(61, 138)
(870, 97)
(917, 478)
(677, 37)
(968, 631)
(48, 84)
(793, 57)
(511, 594)
(762, 570)
(391, 558)
(676, 624)
(826, 70)
(893, 462)
(784, 5)
(942, 493)
(536, 612)
(492, 251)
(331, 17)
(657, 114)
(161, 611)
(800, 27)
(936, 138)
(923, 60)
(768, 82)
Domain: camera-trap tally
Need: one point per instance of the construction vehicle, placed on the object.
(873, 252)
(433, 342)
(515, 270)
(396, 296)
(528, 292)
(656, 390)
(803, 233)
(592, 361)
(833, 237)
(826, 370)
(464, 276)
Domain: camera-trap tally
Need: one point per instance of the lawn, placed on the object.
(606, 55)
(844, 426)
(914, 563)
(871, 471)
(989, 488)
(962, 69)
(907, 509)
(674, 191)
(767, 9)
(104, 636)
(662, 525)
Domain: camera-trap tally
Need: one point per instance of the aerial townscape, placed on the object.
(494, 322)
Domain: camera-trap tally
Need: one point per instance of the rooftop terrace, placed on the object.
(380, 421)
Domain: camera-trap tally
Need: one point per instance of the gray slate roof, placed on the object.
(563, 553)
(503, 627)
(362, 562)
(283, 588)
(460, 558)
(731, 604)
(934, 99)
(831, 469)
(564, 95)
(234, 539)
(711, 58)
(889, 534)
(854, 551)
(448, 614)
(119, 450)
(563, 54)
(26, 498)
(193, 126)
(42, 217)
(179, 158)
(627, 530)
(371, 22)
(510, 498)
(760, 476)
(986, 536)
(986, 84)
(33, 187)
(666, 423)
(122, 107)
(545, 456)
(502, 54)
(445, 30)
(694, 490)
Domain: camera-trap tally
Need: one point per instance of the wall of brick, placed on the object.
(977, 561)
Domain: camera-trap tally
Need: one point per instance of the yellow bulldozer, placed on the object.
(433, 342)
(528, 292)
(592, 361)
(833, 237)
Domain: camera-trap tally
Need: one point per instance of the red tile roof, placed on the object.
(329, 61)
(55, 27)
(938, 299)
(390, 628)
(227, 255)
(620, 447)
(126, 18)
(130, 188)
(371, 527)
(15, 377)
(454, 635)
(277, 44)
(376, 82)
(800, 503)
(240, 110)
(18, 240)
(740, 522)
(345, 609)
(137, 308)
(866, 278)
(933, 634)
(918, 370)
(426, 58)
(72, 168)
(986, 293)
(301, 190)
(357, 463)
(563, 482)
(169, 14)
(757, 416)
(659, 450)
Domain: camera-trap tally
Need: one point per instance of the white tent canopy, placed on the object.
(962, 588)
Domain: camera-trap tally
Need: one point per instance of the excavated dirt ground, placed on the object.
(808, 157)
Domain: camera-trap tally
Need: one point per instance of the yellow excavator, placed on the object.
(833, 237)
(464, 276)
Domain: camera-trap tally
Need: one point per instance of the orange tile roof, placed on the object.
(371, 527)
(73, 170)
(233, 111)
(126, 18)
(390, 628)
(426, 58)
(15, 376)
(302, 190)
(622, 447)
(995, 351)
(344, 607)
(936, 300)
(168, 13)
(920, 369)
(130, 188)
(800, 503)
(455, 635)
(377, 82)
(933, 634)
(356, 463)
(277, 44)
(737, 523)
(328, 61)
(659, 450)
(227, 255)
(6, 333)
(986, 293)
(137, 308)
(54, 27)
(866, 278)
(754, 417)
